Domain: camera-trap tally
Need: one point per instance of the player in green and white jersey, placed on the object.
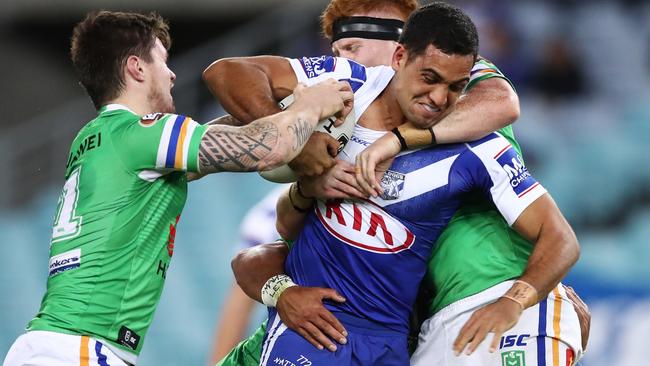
(126, 184)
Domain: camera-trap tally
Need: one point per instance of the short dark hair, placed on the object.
(103, 41)
(443, 25)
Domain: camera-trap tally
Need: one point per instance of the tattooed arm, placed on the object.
(274, 140)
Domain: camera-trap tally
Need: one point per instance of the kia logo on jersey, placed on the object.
(364, 225)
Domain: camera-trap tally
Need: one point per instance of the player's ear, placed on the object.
(134, 68)
(399, 57)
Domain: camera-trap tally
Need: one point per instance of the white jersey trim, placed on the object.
(377, 78)
(509, 203)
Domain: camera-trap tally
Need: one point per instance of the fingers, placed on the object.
(330, 331)
(332, 146)
(346, 180)
(361, 177)
(466, 334)
(332, 321)
(495, 340)
(479, 336)
(310, 333)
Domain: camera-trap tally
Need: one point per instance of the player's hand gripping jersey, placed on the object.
(375, 252)
(113, 234)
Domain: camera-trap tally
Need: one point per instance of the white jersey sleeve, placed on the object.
(366, 82)
(503, 175)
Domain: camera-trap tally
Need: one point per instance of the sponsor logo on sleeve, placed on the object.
(520, 179)
(150, 119)
(65, 262)
(315, 66)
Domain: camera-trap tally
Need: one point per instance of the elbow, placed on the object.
(238, 264)
(212, 75)
(571, 245)
(514, 111)
(511, 109)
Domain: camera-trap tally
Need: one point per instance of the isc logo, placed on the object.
(513, 340)
(365, 226)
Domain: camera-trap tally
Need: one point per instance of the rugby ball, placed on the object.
(342, 133)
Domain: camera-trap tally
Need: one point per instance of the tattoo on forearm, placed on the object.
(226, 120)
(226, 148)
(301, 131)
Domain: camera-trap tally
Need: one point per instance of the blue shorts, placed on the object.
(368, 345)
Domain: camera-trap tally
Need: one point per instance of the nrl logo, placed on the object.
(513, 358)
(393, 184)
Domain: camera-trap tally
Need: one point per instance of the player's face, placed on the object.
(368, 52)
(427, 86)
(162, 81)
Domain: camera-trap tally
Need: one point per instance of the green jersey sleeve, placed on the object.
(483, 70)
(161, 142)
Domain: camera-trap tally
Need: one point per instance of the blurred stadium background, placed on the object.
(582, 69)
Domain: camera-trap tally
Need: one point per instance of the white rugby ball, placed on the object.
(342, 133)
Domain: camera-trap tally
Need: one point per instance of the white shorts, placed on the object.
(43, 348)
(547, 334)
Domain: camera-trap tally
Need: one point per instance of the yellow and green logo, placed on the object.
(513, 358)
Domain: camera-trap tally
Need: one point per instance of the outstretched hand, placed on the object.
(302, 309)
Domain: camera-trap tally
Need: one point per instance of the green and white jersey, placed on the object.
(113, 234)
(477, 249)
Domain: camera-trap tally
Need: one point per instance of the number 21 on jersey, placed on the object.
(67, 224)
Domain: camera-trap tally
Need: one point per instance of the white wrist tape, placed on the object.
(274, 287)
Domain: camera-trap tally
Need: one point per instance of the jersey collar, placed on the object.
(114, 107)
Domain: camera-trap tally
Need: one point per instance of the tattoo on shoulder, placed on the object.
(301, 131)
(225, 148)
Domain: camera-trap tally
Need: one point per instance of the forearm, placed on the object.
(252, 267)
(262, 145)
(555, 247)
(490, 105)
(554, 253)
(292, 208)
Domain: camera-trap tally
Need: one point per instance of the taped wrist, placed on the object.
(402, 142)
(274, 287)
(523, 293)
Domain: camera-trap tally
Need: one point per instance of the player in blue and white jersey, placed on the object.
(376, 274)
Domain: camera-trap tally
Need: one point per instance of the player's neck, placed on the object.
(384, 113)
(138, 104)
